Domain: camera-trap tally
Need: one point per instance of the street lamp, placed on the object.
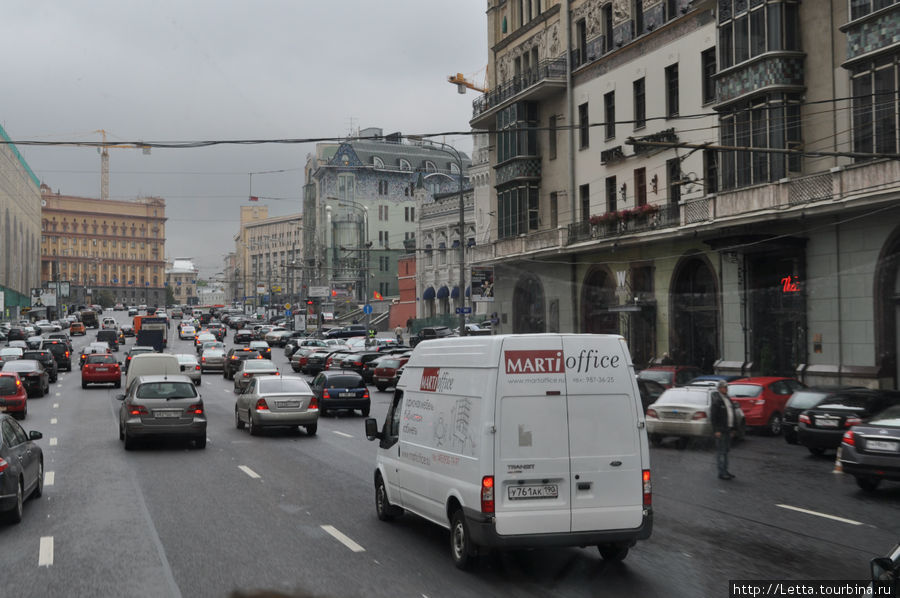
(449, 149)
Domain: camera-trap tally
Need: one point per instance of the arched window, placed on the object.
(405, 165)
(454, 168)
(377, 162)
(429, 166)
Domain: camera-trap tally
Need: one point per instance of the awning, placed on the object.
(428, 294)
(454, 293)
(443, 293)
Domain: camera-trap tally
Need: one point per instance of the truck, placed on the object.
(89, 319)
(151, 331)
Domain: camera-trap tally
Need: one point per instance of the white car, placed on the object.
(44, 326)
(109, 324)
(190, 367)
(187, 333)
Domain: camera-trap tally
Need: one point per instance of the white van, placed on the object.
(152, 364)
(518, 441)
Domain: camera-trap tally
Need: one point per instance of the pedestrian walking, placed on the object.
(409, 323)
(667, 360)
(398, 331)
(723, 422)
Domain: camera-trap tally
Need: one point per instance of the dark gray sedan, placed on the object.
(870, 452)
(162, 406)
(272, 401)
(250, 368)
(21, 468)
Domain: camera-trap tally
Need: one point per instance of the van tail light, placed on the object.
(261, 405)
(325, 394)
(852, 421)
(647, 488)
(699, 415)
(313, 404)
(138, 410)
(849, 438)
(804, 419)
(487, 494)
(652, 413)
(195, 409)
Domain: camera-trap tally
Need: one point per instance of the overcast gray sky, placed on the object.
(190, 70)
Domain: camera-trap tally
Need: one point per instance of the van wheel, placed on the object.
(613, 552)
(383, 507)
(774, 425)
(868, 484)
(656, 439)
(462, 550)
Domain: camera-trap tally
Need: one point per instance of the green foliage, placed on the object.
(170, 296)
(104, 297)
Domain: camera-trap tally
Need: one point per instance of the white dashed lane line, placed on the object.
(53, 442)
(817, 514)
(45, 554)
(52, 420)
(337, 535)
(249, 472)
(49, 478)
(344, 434)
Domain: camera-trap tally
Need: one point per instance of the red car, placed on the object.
(13, 396)
(386, 371)
(101, 368)
(670, 375)
(763, 399)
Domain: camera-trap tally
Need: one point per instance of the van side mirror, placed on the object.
(372, 432)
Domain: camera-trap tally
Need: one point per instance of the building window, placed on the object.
(640, 104)
(551, 145)
(581, 39)
(584, 126)
(405, 165)
(382, 187)
(640, 187)
(377, 162)
(672, 91)
(409, 214)
(607, 27)
(515, 206)
(611, 197)
(673, 176)
(638, 13)
(748, 31)
(517, 131)
(671, 9)
(554, 208)
(875, 107)
(708, 66)
(584, 194)
(429, 166)
(609, 111)
(860, 8)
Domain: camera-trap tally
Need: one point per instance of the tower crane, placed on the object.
(102, 149)
(462, 83)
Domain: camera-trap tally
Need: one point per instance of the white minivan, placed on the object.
(518, 441)
(152, 364)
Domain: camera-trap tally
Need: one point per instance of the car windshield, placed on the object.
(661, 376)
(258, 364)
(744, 390)
(166, 390)
(279, 385)
(389, 363)
(804, 399)
(678, 397)
(8, 386)
(344, 382)
(20, 366)
(101, 359)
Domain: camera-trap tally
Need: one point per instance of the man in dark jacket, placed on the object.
(723, 422)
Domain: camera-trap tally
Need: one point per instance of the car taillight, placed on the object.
(234, 356)
(487, 494)
(366, 394)
(138, 410)
(313, 403)
(302, 361)
(325, 394)
(849, 438)
(804, 419)
(246, 374)
(195, 409)
(699, 415)
(852, 421)
(202, 359)
(261, 405)
(647, 487)
(652, 413)
(67, 353)
(197, 367)
(4, 465)
(277, 374)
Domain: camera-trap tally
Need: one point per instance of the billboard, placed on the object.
(43, 297)
(482, 283)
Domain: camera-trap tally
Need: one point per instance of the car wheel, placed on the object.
(790, 436)
(311, 429)
(656, 439)
(83, 384)
(237, 420)
(121, 433)
(616, 551)
(383, 507)
(868, 484)
(775, 424)
(682, 443)
(117, 384)
(254, 429)
(365, 412)
(129, 441)
(14, 515)
(201, 442)
(462, 549)
(818, 452)
(39, 488)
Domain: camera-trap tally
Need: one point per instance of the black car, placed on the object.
(22, 476)
(47, 360)
(650, 391)
(136, 350)
(33, 375)
(243, 336)
(340, 389)
(347, 331)
(62, 353)
(360, 363)
(110, 337)
(61, 336)
(17, 334)
(807, 398)
(822, 427)
(429, 333)
(233, 360)
(315, 361)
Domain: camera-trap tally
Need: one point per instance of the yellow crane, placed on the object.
(102, 149)
(462, 83)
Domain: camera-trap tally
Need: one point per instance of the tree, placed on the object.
(170, 296)
(105, 298)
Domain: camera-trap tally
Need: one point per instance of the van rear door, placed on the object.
(604, 438)
(532, 470)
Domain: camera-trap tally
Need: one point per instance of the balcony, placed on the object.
(520, 168)
(520, 246)
(666, 216)
(546, 79)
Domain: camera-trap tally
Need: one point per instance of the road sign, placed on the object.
(367, 309)
(463, 310)
(287, 313)
(287, 305)
(319, 292)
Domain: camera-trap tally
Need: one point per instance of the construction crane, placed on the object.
(104, 160)
(462, 83)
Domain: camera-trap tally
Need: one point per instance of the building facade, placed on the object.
(20, 211)
(270, 249)
(102, 246)
(696, 177)
(181, 278)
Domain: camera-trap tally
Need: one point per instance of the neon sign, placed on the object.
(789, 284)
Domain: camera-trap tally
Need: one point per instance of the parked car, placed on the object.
(32, 374)
(212, 357)
(47, 360)
(385, 373)
(763, 400)
(650, 391)
(101, 368)
(822, 427)
(685, 412)
(251, 368)
(807, 398)
(670, 376)
(21, 468)
(13, 396)
(713, 379)
(277, 401)
(162, 406)
(263, 347)
(341, 390)
(234, 358)
(429, 333)
(870, 451)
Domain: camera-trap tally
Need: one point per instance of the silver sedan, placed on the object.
(251, 368)
(271, 401)
(685, 412)
(162, 406)
(212, 357)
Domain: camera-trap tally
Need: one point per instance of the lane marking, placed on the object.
(817, 514)
(52, 420)
(337, 535)
(344, 434)
(58, 394)
(49, 478)
(56, 405)
(45, 554)
(53, 442)
(249, 472)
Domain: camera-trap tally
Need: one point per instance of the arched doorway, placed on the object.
(887, 311)
(598, 294)
(529, 306)
(694, 339)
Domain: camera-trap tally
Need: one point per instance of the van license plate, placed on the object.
(525, 492)
(881, 445)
